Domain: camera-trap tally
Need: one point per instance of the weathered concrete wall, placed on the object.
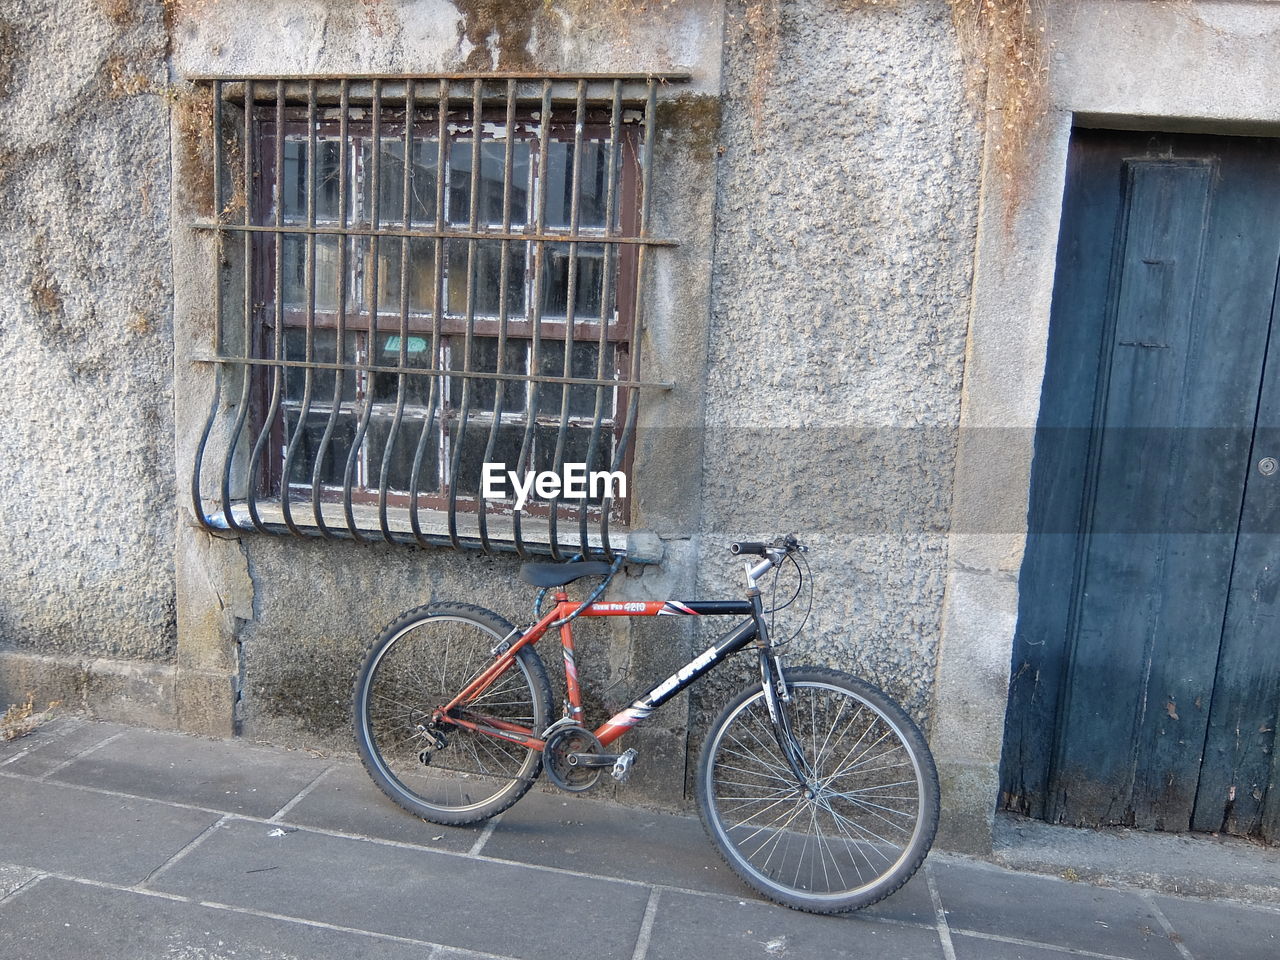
(845, 229)
(86, 472)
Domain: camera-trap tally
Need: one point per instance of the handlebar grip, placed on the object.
(747, 546)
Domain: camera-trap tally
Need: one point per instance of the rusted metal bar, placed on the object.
(371, 294)
(426, 539)
(571, 301)
(393, 431)
(242, 413)
(633, 405)
(668, 76)
(473, 213)
(607, 281)
(309, 281)
(504, 274)
(277, 371)
(434, 397)
(340, 336)
(451, 234)
(535, 307)
(197, 503)
(437, 372)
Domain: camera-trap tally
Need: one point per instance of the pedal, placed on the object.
(622, 766)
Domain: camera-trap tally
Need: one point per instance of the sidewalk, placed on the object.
(124, 844)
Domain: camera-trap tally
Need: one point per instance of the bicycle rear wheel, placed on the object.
(861, 824)
(438, 770)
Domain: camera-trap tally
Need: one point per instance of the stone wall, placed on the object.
(87, 472)
(844, 244)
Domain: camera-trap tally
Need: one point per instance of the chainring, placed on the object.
(560, 744)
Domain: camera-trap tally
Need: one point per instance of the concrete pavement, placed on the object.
(127, 844)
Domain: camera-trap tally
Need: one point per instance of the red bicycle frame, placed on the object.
(640, 709)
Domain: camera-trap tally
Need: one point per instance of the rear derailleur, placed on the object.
(434, 740)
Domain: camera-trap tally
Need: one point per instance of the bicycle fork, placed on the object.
(778, 699)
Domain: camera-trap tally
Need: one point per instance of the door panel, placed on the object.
(1239, 781)
(1162, 305)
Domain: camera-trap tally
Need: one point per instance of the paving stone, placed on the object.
(574, 833)
(102, 837)
(13, 877)
(979, 948)
(496, 908)
(53, 745)
(44, 734)
(61, 919)
(911, 904)
(1045, 910)
(1223, 931)
(220, 774)
(688, 926)
(346, 799)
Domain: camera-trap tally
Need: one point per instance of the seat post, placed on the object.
(570, 666)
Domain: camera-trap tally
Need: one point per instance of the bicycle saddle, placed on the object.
(558, 574)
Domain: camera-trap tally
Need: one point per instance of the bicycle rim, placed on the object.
(422, 666)
(859, 827)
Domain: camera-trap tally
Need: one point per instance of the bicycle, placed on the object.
(815, 787)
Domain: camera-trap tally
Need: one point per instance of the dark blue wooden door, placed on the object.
(1146, 662)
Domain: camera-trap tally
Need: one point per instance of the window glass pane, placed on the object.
(404, 450)
(484, 358)
(323, 351)
(555, 280)
(459, 191)
(422, 183)
(421, 252)
(293, 279)
(593, 180)
(475, 440)
(293, 179)
(426, 157)
(582, 399)
(492, 165)
(417, 389)
(577, 443)
(488, 277)
(308, 449)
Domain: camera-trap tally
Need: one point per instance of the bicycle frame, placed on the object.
(640, 709)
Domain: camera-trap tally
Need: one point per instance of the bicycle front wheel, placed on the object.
(435, 769)
(859, 826)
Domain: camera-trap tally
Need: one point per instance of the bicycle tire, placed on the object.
(750, 802)
(421, 660)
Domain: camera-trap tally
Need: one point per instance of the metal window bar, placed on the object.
(340, 336)
(436, 402)
(362, 429)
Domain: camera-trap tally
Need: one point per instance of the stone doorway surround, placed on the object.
(1202, 67)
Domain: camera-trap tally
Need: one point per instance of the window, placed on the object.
(437, 274)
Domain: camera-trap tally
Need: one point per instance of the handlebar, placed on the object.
(782, 545)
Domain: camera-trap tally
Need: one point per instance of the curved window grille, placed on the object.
(418, 277)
